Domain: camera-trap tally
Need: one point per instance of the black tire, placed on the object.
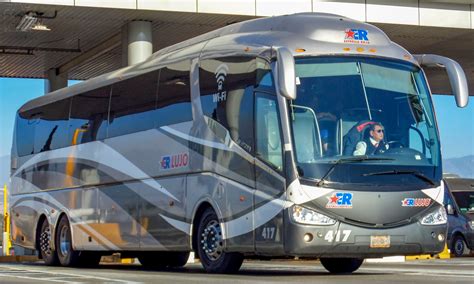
(341, 265)
(458, 246)
(66, 254)
(162, 259)
(210, 246)
(48, 255)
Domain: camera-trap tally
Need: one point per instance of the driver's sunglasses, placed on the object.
(379, 130)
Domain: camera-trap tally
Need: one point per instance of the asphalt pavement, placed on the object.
(459, 270)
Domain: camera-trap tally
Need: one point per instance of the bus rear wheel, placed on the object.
(210, 246)
(49, 256)
(341, 265)
(161, 259)
(66, 254)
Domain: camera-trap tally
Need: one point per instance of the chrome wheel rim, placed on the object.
(45, 240)
(211, 240)
(64, 241)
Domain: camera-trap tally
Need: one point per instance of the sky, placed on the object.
(456, 125)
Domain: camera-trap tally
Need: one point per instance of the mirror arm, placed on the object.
(456, 75)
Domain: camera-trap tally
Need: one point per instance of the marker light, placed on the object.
(300, 50)
(346, 49)
(437, 217)
(306, 216)
(360, 49)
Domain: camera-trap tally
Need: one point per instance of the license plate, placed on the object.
(379, 241)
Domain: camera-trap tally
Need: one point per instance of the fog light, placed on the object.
(441, 237)
(308, 237)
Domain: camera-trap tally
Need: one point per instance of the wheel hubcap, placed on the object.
(64, 241)
(211, 240)
(45, 239)
(459, 247)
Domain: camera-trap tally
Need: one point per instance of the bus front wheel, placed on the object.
(210, 246)
(341, 265)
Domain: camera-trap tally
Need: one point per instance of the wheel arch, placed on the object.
(39, 224)
(62, 215)
(200, 209)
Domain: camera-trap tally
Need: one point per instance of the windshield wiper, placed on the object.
(350, 160)
(395, 172)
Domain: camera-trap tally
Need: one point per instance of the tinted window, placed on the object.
(89, 112)
(174, 95)
(227, 86)
(132, 105)
(51, 130)
(25, 134)
(267, 130)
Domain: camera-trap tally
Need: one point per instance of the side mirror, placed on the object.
(456, 75)
(286, 73)
(450, 209)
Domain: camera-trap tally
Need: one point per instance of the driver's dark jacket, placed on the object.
(372, 150)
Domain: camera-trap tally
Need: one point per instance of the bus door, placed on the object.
(270, 181)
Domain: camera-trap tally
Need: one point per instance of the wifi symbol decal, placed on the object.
(221, 73)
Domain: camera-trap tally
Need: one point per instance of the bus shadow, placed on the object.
(267, 271)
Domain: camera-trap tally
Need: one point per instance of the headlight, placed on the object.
(307, 216)
(437, 217)
(471, 224)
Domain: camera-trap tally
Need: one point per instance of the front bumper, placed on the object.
(346, 240)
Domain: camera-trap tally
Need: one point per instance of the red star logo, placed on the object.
(349, 33)
(333, 199)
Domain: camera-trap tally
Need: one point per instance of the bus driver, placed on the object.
(374, 144)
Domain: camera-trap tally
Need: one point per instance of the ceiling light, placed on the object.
(28, 21)
(33, 21)
(39, 26)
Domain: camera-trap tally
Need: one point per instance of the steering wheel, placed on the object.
(406, 152)
(394, 144)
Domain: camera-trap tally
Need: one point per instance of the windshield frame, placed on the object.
(432, 171)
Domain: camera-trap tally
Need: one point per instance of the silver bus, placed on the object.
(254, 140)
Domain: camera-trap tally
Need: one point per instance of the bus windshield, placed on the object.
(350, 106)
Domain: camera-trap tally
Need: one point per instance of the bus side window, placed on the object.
(174, 94)
(25, 134)
(89, 113)
(51, 130)
(226, 86)
(132, 105)
(267, 130)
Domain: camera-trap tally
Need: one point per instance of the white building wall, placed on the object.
(354, 9)
(46, 2)
(123, 4)
(236, 7)
(282, 7)
(445, 15)
(405, 12)
(168, 5)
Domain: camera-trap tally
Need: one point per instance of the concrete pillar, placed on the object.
(137, 44)
(54, 81)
